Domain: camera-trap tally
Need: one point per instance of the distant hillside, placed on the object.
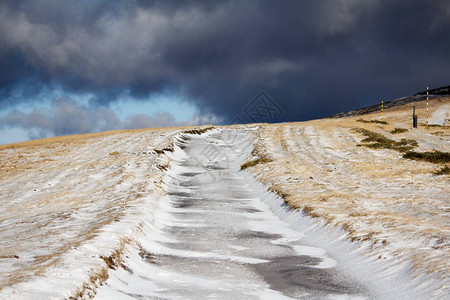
(434, 93)
(442, 91)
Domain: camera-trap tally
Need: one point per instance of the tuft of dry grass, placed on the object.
(110, 261)
(168, 149)
(348, 228)
(255, 162)
(198, 130)
(87, 290)
(97, 278)
(372, 121)
(434, 125)
(435, 156)
(445, 170)
(259, 155)
(309, 210)
(147, 256)
(398, 130)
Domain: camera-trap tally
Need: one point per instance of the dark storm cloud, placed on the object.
(314, 58)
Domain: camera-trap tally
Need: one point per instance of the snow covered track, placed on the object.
(219, 234)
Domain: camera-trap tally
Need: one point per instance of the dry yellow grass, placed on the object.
(60, 193)
(374, 194)
(56, 141)
(377, 196)
(70, 186)
(39, 154)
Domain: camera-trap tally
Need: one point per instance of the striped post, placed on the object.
(427, 107)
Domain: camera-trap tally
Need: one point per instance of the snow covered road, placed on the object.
(215, 237)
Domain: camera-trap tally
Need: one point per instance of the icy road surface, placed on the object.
(216, 238)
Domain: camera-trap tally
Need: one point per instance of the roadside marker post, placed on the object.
(427, 107)
(381, 110)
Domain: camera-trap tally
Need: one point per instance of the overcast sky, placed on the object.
(84, 66)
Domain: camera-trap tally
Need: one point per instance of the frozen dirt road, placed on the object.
(216, 236)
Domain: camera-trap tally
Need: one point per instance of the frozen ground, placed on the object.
(220, 235)
(66, 203)
(78, 212)
(393, 206)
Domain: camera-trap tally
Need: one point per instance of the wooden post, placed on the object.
(414, 117)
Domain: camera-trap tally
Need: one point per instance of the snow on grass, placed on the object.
(390, 278)
(440, 116)
(395, 207)
(68, 207)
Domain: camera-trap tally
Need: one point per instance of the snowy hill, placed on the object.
(71, 207)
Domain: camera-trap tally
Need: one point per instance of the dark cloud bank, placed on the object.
(314, 58)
